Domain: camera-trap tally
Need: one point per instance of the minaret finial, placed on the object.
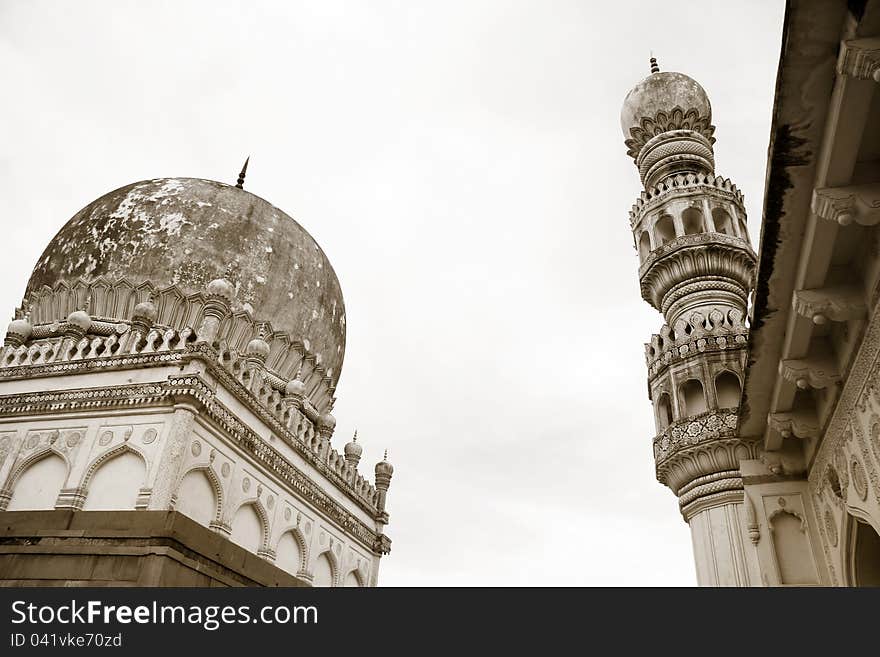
(385, 458)
(355, 436)
(654, 67)
(241, 175)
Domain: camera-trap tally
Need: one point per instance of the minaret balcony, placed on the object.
(698, 446)
(706, 265)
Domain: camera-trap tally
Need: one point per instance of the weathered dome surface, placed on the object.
(187, 232)
(662, 91)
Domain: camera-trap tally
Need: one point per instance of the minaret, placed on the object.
(696, 268)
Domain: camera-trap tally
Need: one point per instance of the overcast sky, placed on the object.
(462, 165)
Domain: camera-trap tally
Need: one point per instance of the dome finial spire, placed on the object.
(654, 67)
(241, 175)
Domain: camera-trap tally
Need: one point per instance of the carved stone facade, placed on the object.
(780, 486)
(127, 391)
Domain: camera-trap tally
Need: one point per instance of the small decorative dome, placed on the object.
(257, 348)
(663, 92)
(328, 421)
(295, 387)
(220, 287)
(383, 467)
(352, 449)
(80, 319)
(21, 328)
(145, 310)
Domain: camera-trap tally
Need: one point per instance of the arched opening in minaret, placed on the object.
(692, 220)
(645, 245)
(743, 229)
(664, 412)
(727, 390)
(694, 397)
(664, 229)
(723, 223)
(864, 550)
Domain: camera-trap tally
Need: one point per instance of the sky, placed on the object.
(461, 164)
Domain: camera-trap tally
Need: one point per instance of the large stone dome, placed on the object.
(662, 91)
(187, 232)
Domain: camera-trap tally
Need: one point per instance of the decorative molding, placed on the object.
(752, 525)
(694, 430)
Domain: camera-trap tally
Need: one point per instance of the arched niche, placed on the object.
(324, 572)
(289, 554)
(692, 221)
(645, 245)
(115, 484)
(247, 528)
(723, 222)
(792, 549)
(727, 389)
(863, 554)
(664, 229)
(664, 411)
(38, 486)
(196, 497)
(693, 397)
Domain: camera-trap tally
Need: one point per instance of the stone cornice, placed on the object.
(193, 389)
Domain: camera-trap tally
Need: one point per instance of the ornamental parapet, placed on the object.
(704, 185)
(698, 334)
(113, 305)
(52, 351)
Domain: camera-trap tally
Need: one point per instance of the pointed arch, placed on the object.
(18, 471)
(664, 229)
(325, 575)
(693, 398)
(728, 389)
(664, 411)
(216, 486)
(645, 245)
(692, 221)
(263, 518)
(301, 544)
(50, 469)
(352, 579)
(723, 223)
(104, 459)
